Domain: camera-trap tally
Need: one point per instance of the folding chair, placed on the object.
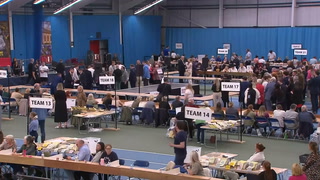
(262, 122)
(290, 126)
(231, 117)
(140, 163)
(274, 126)
(217, 116)
(247, 123)
(137, 112)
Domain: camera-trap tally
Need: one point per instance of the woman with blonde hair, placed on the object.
(81, 97)
(195, 167)
(61, 113)
(91, 101)
(150, 103)
(297, 173)
(189, 93)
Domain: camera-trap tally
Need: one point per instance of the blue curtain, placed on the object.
(258, 40)
(38, 20)
(141, 37)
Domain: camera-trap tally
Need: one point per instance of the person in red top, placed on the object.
(260, 88)
(297, 173)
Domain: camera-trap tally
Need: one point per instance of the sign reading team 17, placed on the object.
(230, 86)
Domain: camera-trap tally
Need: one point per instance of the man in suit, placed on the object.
(68, 83)
(314, 87)
(30, 70)
(243, 87)
(268, 93)
(164, 89)
(132, 76)
(181, 68)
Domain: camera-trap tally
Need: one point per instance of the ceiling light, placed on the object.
(148, 6)
(38, 1)
(66, 6)
(3, 2)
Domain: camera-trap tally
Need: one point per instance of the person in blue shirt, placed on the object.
(42, 115)
(180, 144)
(166, 51)
(34, 126)
(83, 155)
(146, 73)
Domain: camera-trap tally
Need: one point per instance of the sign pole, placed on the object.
(9, 111)
(115, 103)
(241, 131)
(205, 81)
(28, 112)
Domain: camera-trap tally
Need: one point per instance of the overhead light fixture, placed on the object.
(4, 2)
(38, 1)
(148, 6)
(66, 6)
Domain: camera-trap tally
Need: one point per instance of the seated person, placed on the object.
(27, 93)
(150, 103)
(267, 173)
(297, 173)
(291, 114)
(218, 110)
(136, 102)
(163, 104)
(258, 156)
(91, 101)
(176, 103)
(107, 101)
(9, 143)
(17, 96)
(250, 114)
(195, 167)
(306, 120)
(108, 155)
(279, 115)
(232, 110)
(262, 112)
(100, 149)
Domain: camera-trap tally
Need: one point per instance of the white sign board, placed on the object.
(71, 103)
(200, 57)
(300, 52)
(106, 80)
(182, 91)
(41, 103)
(230, 86)
(227, 46)
(189, 153)
(223, 51)
(159, 70)
(179, 46)
(198, 113)
(3, 73)
(296, 46)
(91, 142)
(154, 93)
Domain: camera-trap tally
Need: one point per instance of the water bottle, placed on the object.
(102, 162)
(131, 166)
(76, 159)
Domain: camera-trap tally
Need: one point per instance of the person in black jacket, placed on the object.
(133, 76)
(60, 68)
(30, 70)
(68, 83)
(164, 89)
(89, 79)
(117, 73)
(314, 87)
(181, 68)
(82, 78)
(176, 103)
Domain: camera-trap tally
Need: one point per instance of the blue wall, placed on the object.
(258, 40)
(142, 37)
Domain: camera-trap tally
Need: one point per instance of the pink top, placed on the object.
(302, 177)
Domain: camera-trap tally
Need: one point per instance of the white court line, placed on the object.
(144, 152)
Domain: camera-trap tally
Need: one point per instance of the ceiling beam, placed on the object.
(13, 5)
(81, 4)
(130, 4)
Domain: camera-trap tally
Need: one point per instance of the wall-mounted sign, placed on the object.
(300, 52)
(296, 46)
(223, 51)
(179, 46)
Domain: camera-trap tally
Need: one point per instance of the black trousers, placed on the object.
(181, 74)
(80, 174)
(35, 135)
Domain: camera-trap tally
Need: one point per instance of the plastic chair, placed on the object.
(89, 106)
(290, 126)
(217, 116)
(141, 163)
(102, 106)
(247, 123)
(262, 122)
(137, 112)
(231, 117)
(274, 126)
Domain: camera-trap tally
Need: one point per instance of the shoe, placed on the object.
(58, 127)
(198, 142)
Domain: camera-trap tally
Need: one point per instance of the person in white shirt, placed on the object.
(90, 68)
(250, 69)
(279, 115)
(189, 93)
(75, 76)
(173, 55)
(43, 69)
(247, 91)
(242, 68)
(233, 69)
(271, 56)
(262, 61)
(258, 156)
(313, 60)
(189, 70)
(248, 55)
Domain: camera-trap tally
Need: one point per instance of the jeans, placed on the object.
(314, 102)
(268, 104)
(35, 135)
(179, 159)
(200, 131)
(42, 130)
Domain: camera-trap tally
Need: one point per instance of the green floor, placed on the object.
(281, 153)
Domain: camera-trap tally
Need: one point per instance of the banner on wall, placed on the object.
(46, 48)
(4, 44)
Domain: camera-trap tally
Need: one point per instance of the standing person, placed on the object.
(35, 72)
(260, 88)
(244, 84)
(42, 115)
(314, 87)
(30, 70)
(180, 143)
(225, 94)
(268, 93)
(124, 78)
(43, 72)
(166, 52)
(271, 56)
(189, 70)
(57, 79)
(189, 93)
(132, 76)
(268, 173)
(61, 113)
(297, 173)
(69, 82)
(164, 89)
(60, 68)
(146, 74)
(181, 68)
(75, 75)
(312, 166)
(81, 97)
(155, 75)
(248, 57)
(34, 126)
(117, 73)
(216, 88)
